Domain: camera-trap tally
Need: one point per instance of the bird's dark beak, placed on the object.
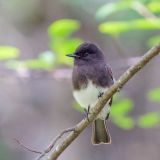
(73, 55)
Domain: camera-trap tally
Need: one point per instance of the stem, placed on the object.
(101, 103)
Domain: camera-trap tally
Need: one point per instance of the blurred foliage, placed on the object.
(125, 5)
(121, 114)
(112, 29)
(149, 120)
(111, 8)
(8, 52)
(78, 107)
(121, 107)
(63, 41)
(116, 28)
(154, 6)
(126, 123)
(63, 28)
(153, 40)
(46, 60)
(154, 95)
(5, 152)
(143, 18)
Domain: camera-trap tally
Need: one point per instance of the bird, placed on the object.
(91, 77)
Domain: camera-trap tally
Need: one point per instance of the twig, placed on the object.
(25, 147)
(50, 147)
(142, 10)
(101, 103)
(75, 131)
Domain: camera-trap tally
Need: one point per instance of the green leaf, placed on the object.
(69, 46)
(154, 95)
(145, 24)
(14, 64)
(110, 8)
(63, 28)
(47, 57)
(34, 64)
(8, 52)
(117, 27)
(121, 108)
(114, 28)
(46, 60)
(126, 123)
(154, 6)
(78, 107)
(37, 64)
(149, 120)
(60, 41)
(153, 41)
(106, 10)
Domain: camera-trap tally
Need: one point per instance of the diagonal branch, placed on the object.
(101, 103)
(143, 10)
(50, 147)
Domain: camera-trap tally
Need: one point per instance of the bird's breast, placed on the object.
(88, 96)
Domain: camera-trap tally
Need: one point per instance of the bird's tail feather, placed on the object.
(100, 133)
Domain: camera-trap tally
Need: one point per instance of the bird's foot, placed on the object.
(118, 90)
(107, 116)
(86, 111)
(100, 95)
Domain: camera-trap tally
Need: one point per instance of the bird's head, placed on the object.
(86, 53)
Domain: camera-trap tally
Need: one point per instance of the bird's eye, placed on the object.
(86, 54)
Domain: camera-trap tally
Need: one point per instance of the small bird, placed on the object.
(91, 77)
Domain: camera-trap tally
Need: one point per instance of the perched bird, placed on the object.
(91, 77)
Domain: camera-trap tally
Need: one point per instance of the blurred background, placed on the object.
(36, 101)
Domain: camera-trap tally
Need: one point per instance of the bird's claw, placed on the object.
(119, 88)
(87, 113)
(100, 94)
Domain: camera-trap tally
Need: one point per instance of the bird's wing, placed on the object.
(110, 74)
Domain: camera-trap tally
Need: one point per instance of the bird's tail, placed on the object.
(100, 133)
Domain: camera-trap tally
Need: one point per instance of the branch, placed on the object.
(25, 147)
(143, 10)
(75, 131)
(50, 147)
(101, 103)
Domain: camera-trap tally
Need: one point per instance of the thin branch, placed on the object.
(101, 103)
(50, 147)
(26, 148)
(75, 131)
(143, 10)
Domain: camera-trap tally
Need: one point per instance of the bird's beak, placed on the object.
(73, 55)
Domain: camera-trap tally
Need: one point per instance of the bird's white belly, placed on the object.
(89, 97)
